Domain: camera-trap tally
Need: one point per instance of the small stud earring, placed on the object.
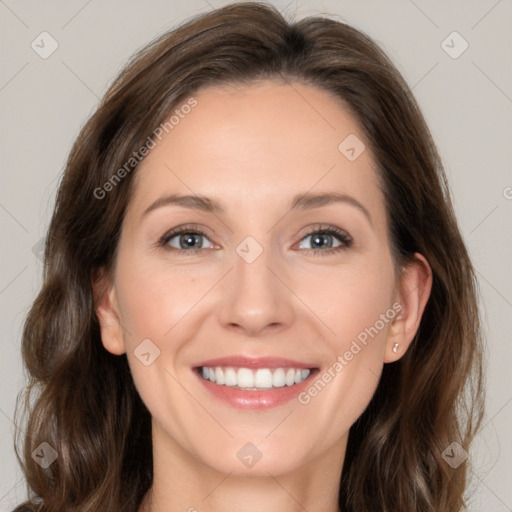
(395, 347)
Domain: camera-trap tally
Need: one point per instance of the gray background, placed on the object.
(467, 102)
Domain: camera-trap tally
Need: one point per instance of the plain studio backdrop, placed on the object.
(58, 57)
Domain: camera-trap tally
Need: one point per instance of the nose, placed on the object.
(257, 297)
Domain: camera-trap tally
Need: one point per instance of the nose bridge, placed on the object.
(256, 297)
(252, 262)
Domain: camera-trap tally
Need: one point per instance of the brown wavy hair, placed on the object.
(82, 400)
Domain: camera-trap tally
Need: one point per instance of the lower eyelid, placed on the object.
(344, 238)
(344, 244)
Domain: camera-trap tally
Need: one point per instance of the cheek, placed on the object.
(360, 313)
(154, 299)
(154, 303)
(344, 387)
(353, 302)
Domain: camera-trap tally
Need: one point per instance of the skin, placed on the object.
(252, 149)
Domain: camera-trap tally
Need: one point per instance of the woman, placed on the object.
(191, 350)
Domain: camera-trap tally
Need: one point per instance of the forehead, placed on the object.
(265, 143)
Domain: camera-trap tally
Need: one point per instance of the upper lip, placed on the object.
(241, 361)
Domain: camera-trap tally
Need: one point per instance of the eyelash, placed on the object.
(344, 238)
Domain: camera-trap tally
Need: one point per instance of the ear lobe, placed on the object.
(107, 311)
(414, 291)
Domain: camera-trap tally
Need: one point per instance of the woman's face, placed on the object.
(259, 283)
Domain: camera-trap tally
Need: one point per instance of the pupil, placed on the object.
(189, 239)
(318, 238)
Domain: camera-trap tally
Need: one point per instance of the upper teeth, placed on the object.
(263, 378)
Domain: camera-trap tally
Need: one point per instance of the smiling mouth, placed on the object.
(248, 379)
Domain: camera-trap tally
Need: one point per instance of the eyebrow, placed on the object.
(304, 201)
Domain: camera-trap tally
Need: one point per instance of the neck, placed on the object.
(182, 483)
(271, 494)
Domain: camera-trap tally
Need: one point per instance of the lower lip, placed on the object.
(255, 400)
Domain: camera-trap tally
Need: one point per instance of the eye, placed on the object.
(188, 239)
(321, 240)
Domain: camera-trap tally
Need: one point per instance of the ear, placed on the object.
(107, 311)
(415, 284)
